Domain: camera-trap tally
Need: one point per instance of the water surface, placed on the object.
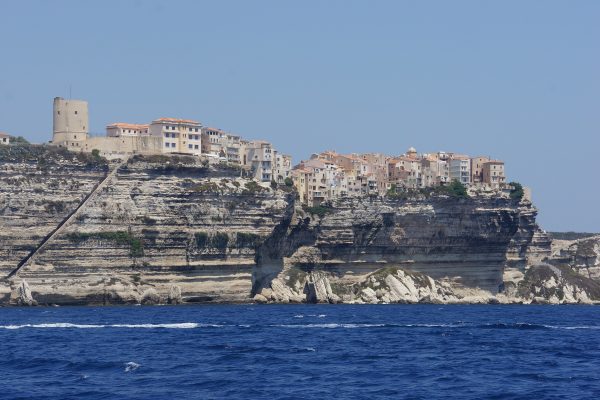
(300, 351)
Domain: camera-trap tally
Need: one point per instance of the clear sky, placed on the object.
(516, 80)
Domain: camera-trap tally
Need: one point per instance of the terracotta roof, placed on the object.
(126, 125)
(2, 134)
(177, 121)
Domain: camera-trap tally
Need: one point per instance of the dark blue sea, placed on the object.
(300, 352)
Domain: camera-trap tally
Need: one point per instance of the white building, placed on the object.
(4, 138)
(178, 135)
(258, 158)
(460, 169)
(119, 129)
(282, 167)
(213, 140)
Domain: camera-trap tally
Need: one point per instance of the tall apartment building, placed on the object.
(493, 174)
(460, 169)
(178, 135)
(258, 159)
(477, 169)
(282, 167)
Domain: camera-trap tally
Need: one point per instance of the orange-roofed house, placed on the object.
(119, 129)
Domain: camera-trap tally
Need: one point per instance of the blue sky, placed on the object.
(517, 80)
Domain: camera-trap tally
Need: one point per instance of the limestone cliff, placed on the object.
(171, 229)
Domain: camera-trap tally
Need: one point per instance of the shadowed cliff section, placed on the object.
(463, 242)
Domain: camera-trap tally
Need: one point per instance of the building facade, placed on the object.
(493, 174)
(460, 169)
(182, 136)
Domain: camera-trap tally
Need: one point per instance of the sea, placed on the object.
(301, 352)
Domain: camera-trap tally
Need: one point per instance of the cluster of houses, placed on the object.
(325, 176)
(188, 137)
(258, 158)
(329, 175)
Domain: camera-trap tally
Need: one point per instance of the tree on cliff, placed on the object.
(457, 189)
(517, 191)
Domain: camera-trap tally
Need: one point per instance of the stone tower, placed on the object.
(70, 123)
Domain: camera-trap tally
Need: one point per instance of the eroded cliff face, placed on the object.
(39, 187)
(162, 230)
(169, 230)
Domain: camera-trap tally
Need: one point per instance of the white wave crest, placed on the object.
(184, 325)
(330, 326)
(131, 366)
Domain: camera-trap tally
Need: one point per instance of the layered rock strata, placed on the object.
(171, 230)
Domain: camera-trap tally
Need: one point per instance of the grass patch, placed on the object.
(206, 187)
(320, 210)
(252, 187)
(219, 240)
(121, 238)
(250, 240)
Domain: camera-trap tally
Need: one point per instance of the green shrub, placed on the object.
(252, 187)
(250, 240)
(95, 153)
(206, 187)
(288, 182)
(321, 210)
(273, 184)
(392, 191)
(121, 238)
(219, 240)
(456, 189)
(516, 192)
(148, 220)
(201, 239)
(18, 140)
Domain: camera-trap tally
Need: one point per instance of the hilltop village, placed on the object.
(325, 176)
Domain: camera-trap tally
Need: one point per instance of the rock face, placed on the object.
(460, 241)
(549, 284)
(39, 187)
(582, 255)
(21, 295)
(170, 230)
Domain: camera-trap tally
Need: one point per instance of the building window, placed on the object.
(189, 146)
(195, 146)
(75, 112)
(166, 144)
(172, 144)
